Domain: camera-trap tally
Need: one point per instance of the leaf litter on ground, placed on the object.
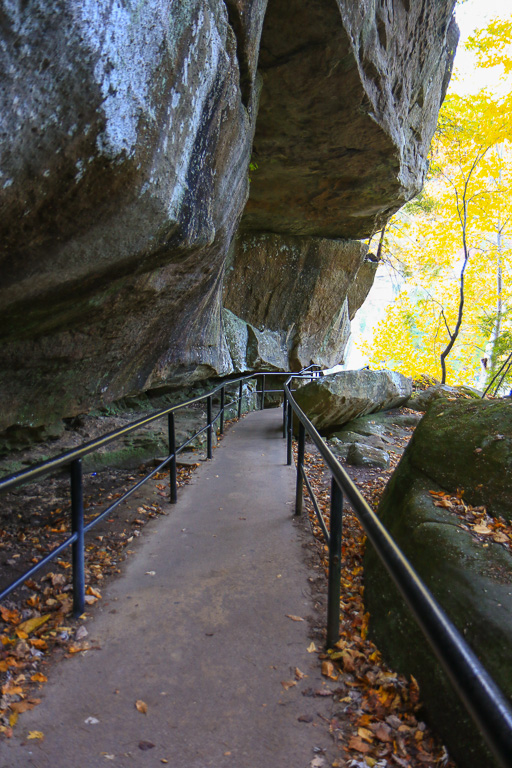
(36, 627)
(475, 519)
(376, 722)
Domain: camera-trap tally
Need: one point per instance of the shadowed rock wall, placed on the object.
(294, 291)
(125, 138)
(347, 111)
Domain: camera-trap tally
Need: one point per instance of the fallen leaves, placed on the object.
(145, 745)
(35, 735)
(482, 529)
(288, 684)
(38, 677)
(34, 621)
(376, 722)
(31, 625)
(24, 706)
(294, 618)
(329, 670)
(475, 520)
(141, 707)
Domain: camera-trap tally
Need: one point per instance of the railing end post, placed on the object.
(209, 431)
(173, 480)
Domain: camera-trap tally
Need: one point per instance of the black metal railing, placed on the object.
(72, 460)
(483, 699)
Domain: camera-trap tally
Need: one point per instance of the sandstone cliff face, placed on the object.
(126, 135)
(347, 111)
(294, 289)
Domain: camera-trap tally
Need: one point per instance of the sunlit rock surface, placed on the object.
(126, 133)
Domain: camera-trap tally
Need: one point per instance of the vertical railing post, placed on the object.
(289, 435)
(240, 395)
(300, 465)
(285, 412)
(173, 485)
(262, 403)
(210, 429)
(222, 398)
(333, 589)
(77, 527)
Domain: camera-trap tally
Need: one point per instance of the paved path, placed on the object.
(205, 642)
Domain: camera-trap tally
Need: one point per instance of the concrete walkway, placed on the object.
(197, 628)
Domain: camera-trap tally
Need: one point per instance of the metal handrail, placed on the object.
(488, 706)
(73, 460)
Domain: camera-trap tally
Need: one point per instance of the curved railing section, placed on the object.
(485, 702)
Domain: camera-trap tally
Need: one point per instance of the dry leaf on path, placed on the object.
(145, 745)
(35, 735)
(359, 745)
(365, 734)
(141, 706)
(288, 684)
(294, 618)
(328, 670)
(298, 674)
(24, 706)
(312, 648)
(32, 624)
(39, 678)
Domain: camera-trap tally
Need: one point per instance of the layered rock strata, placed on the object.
(125, 141)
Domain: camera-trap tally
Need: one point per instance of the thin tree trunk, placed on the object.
(453, 336)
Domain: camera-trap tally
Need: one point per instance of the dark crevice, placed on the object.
(382, 33)
(287, 57)
(241, 52)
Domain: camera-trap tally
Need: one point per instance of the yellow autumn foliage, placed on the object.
(456, 235)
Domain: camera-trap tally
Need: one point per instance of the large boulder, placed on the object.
(252, 349)
(364, 455)
(335, 400)
(421, 398)
(468, 445)
(126, 134)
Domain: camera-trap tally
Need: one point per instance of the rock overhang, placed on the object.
(348, 108)
(126, 142)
